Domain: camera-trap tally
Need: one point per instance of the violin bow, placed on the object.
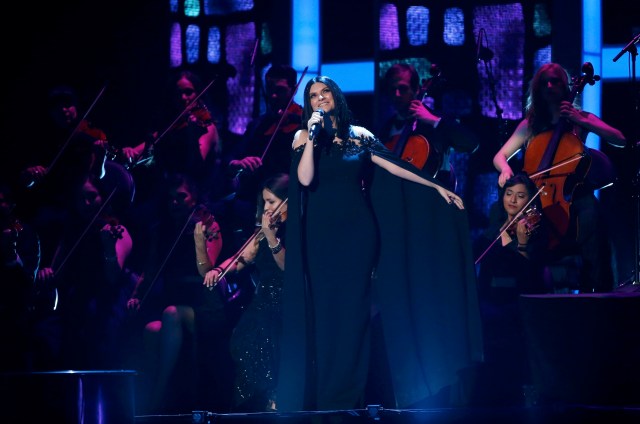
(75, 130)
(166, 258)
(563, 162)
(505, 227)
(84, 232)
(275, 132)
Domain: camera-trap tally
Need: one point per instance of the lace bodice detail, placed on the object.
(360, 140)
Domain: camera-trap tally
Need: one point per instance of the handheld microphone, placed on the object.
(315, 128)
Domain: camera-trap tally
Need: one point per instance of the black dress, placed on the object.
(503, 275)
(255, 339)
(327, 297)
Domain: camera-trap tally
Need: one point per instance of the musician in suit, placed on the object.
(264, 150)
(413, 124)
(585, 246)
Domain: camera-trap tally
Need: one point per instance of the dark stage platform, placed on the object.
(585, 362)
(552, 414)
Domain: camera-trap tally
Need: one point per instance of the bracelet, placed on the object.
(202, 263)
(218, 269)
(277, 248)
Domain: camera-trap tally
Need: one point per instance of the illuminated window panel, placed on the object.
(217, 7)
(417, 25)
(213, 45)
(191, 8)
(505, 35)
(357, 77)
(266, 44)
(453, 34)
(541, 21)
(541, 57)
(192, 43)
(175, 46)
(240, 40)
(173, 6)
(389, 30)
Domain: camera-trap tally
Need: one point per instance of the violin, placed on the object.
(197, 115)
(86, 127)
(531, 216)
(291, 120)
(16, 226)
(277, 219)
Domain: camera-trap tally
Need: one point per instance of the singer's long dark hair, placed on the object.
(341, 111)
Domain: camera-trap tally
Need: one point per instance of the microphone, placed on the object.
(478, 44)
(315, 128)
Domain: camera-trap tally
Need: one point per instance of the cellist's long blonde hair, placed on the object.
(537, 111)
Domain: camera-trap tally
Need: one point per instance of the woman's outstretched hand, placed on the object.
(450, 197)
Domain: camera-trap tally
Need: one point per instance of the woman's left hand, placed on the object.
(450, 197)
(199, 232)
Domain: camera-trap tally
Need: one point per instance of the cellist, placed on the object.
(585, 245)
(425, 138)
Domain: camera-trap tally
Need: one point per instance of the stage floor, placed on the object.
(551, 414)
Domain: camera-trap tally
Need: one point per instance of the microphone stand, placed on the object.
(635, 160)
(485, 54)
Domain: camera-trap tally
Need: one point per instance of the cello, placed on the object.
(411, 146)
(559, 160)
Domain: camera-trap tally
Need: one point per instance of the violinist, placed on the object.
(68, 149)
(87, 269)
(585, 245)
(511, 266)
(264, 149)
(184, 325)
(255, 339)
(414, 127)
(19, 259)
(187, 140)
(80, 145)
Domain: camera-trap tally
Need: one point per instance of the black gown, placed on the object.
(327, 297)
(255, 339)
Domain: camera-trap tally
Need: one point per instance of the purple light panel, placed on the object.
(389, 31)
(240, 40)
(505, 34)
